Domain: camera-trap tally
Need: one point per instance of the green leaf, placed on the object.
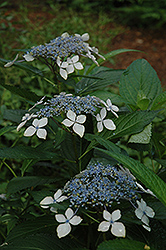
(139, 76)
(26, 152)
(142, 137)
(20, 183)
(28, 95)
(123, 244)
(6, 129)
(43, 242)
(142, 173)
(104, 95)
(106, 77)
(159, 101)
(109, 55)
(24, 66)
(130, 124)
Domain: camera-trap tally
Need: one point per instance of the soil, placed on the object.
(151, 42)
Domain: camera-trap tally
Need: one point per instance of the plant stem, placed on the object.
(11, 170)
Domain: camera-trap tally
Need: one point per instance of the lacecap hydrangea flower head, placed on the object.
(63, 52)
(100, 187)
(75, 108)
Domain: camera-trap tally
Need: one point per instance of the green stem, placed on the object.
(75, 151)
(11, 170)
(91, 217)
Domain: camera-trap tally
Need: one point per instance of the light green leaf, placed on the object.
(139, 76)
(142, 173)
(142, 137)
(122, 244)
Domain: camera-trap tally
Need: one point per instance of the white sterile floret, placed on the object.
(69, 218)
(75, 121)
(110, 107)
(37, 128)
(109, 124)
(39, 102)
(73, 63)
(117, 228)
(28, 57)
(11, 62)
(143, 212)
(58, 197)
(62, 66)
(85, 36)
(147, 191)
(25, 118)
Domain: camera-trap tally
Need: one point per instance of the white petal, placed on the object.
(57, 194)
(109, 124)
(116, 215)
(149, 211)
(79, 129)
(100, 126)
(64, 65)
(63, 230)
(43, 122)
(75, 59)
(78, 66)
(21, 125)
(67, 123)
(70, 69)
(106, 215)
(60, 218)
(109, 103)
(65, 34)
(69, 213)
(63, 73)
(98, 118)
(46, 201)
(53, 209)
(30, 131)
(138, 213)
(103, 113)
(71, 115)
(35, 122)
(62, 198)
(142, 205)
(11, 62)
(145, 220)
(28, 57)
(81, 119)
(58, 61)
(115, 108)
(76, 220)
(41, 133)
(147, 228)
(85, 37)
(118, 229)
(104, 226)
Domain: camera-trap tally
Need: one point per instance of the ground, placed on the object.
(152, 42)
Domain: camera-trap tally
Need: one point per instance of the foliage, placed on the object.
(89, 155)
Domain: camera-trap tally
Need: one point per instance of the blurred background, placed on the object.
(112, 24)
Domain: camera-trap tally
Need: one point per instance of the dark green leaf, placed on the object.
(20, 183)
(28, 95)
(26, 152)
(122, 244)
(159, 101)
(139, 76)
(6, 129)
(106, 77)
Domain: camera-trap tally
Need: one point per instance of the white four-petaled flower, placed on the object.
(73, 63)
(69, 218)
(25, 118)
(109, 124)
(117, 228)
(37, 128)
(75, 121)
(110, 107)
(58, 197)
(143, 212)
